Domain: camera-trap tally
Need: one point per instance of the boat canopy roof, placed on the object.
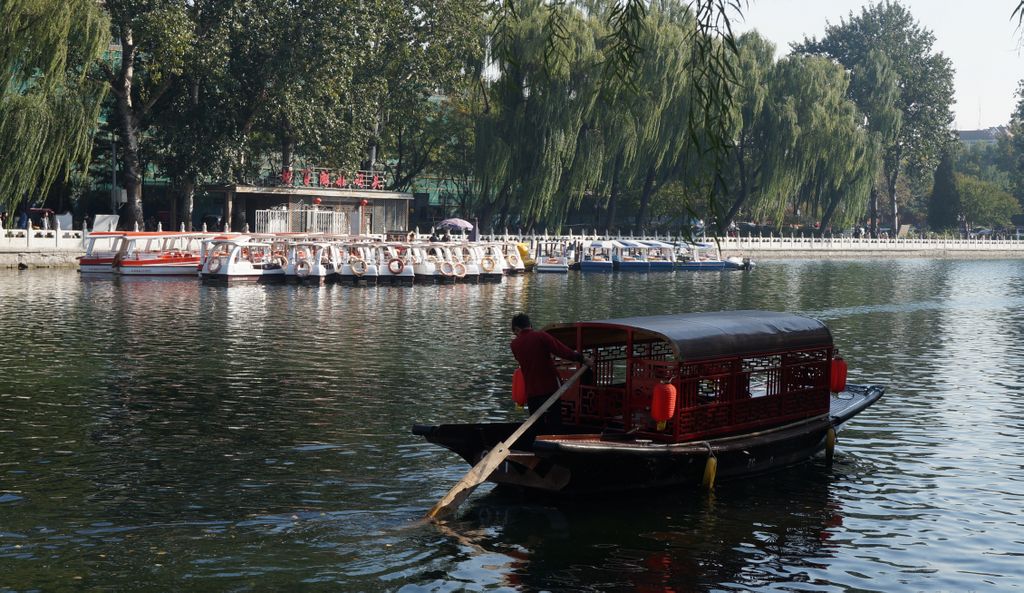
(657, 244)
(602, 244)
(695, 336)
(630, 243)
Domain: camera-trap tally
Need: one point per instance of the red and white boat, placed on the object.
(100, 249)
(158, 254)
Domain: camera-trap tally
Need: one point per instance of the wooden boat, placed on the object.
(754, 392)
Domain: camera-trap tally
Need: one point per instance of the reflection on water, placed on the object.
(257, 438)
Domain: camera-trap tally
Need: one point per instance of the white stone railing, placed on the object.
(796, 244)
(769, 244)
(19, 240)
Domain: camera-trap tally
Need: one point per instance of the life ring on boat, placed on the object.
(396, 266)
(303, 268)
(447, 269)
(460, 270)
(359, 267)
(214, 266)
(488, 263)
(513, 259)
(552, 260)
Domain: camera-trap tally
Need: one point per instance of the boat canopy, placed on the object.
(656, 244)
(706, 335)
(602, 244)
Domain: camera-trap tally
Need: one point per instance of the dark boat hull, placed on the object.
(580, 463)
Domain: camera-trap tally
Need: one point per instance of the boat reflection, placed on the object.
(748, 533)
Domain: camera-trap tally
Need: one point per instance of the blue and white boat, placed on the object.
(660, 255)
(631, 256)
(708, 256)
(597, 256)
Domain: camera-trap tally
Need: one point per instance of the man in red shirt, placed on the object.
(533, 350)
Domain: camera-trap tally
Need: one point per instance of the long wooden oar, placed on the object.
(490, 462)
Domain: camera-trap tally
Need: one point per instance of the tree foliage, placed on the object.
(984, 204)
(924, 79)
(48, 108)
(944, 205)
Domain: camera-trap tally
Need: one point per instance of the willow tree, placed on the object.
(825, 155)
(527, 141)
(622, 43)
(641, 124)
(662, 105)
(755, 165)
(48, 107)
(924, 79)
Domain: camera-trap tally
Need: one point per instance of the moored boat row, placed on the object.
(318, 258)
(300, 258)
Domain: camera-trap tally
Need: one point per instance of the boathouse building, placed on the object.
(316, 200)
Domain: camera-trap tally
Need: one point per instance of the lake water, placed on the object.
(163, 435)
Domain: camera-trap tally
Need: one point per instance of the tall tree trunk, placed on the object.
(287, 151)
(645, 198)
(188, 195)
(873, 211)
(613, 197)
(830, 210)
(741, 199)
(891, 183)
(128, 130)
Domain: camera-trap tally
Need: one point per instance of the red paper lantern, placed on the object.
(316, 201)
(663, 404)
(519, 388)
(837, 378)
(364, 203)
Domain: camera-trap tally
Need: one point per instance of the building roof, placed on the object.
(988, 135)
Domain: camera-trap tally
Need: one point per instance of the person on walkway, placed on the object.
(533, 351)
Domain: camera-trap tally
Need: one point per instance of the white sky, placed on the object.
(979, 37)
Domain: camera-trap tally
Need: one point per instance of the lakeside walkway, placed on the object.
(60, 248)
(851, 248)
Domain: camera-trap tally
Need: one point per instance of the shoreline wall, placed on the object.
(56, 248)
